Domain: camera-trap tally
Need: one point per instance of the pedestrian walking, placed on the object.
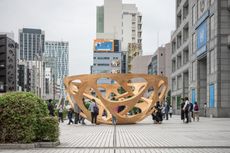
(186, 109)
(190, 115)
(50, 108)
(170, 111)
(158, 118)
(76, 114)
(205, 109)
(94, 111)
(166, 111)
(70, 114)
(163, 111)
(182, 109)
(196, 112)
(60, 113)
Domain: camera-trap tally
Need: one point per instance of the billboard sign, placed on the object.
(202, 35)
(202, 38)
(103, 45)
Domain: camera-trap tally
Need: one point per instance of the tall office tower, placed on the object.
(32, 42)
(201, 55)
(8, 68)
(57, 58)
(123, 22)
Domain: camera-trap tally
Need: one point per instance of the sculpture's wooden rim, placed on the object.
(82, 88)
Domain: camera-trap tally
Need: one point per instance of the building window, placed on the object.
(179, 82)
(174, 84)
(173, 65)
(173, 46)
(212, 62)
(212, 27)
(194, 42)
(194, 14)
(103, 65)
(193, 71)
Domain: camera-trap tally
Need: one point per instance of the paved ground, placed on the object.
(210, 135)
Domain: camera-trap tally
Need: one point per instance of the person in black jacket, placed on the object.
(158, 117)
(182, 111)
(50, 108)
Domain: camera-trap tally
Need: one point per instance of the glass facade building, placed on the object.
(57, 58)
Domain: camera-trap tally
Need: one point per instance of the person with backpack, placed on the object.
(186, 109)
(196, 112)
(94, 111)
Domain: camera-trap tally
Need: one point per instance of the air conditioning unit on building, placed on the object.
(228, 41)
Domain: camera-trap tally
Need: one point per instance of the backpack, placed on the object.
(95, 109)
(196, 108)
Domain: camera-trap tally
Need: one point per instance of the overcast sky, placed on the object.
(75, 21)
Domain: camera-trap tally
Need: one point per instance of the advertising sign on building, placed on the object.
(202, 38)
(103, 45)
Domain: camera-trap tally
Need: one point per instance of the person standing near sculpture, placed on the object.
(196, 112)
(166, 110)
(76, 114)
(186, 109)
(170, 111)
(94, 111)
(70, 113)
(182, 110)
(159, 116)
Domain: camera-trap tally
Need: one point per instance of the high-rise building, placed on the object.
(31, 66)
(201, 55)
(8, 64)
(122, 22)
(32, 43)
(57, 58)
(161, 63)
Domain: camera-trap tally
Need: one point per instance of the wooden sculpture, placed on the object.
(117, 96)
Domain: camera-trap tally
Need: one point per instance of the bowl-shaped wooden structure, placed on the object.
(128, 97)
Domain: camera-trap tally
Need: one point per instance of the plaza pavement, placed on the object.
(210, 135)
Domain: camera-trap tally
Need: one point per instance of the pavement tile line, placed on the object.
(149, 147)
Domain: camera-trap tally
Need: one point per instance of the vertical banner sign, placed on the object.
(202, 38)
(211, 96)
(193, 96)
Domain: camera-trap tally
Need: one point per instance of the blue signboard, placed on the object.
(202, 35)
(211, 96)
(193, 96)
(104, 46)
